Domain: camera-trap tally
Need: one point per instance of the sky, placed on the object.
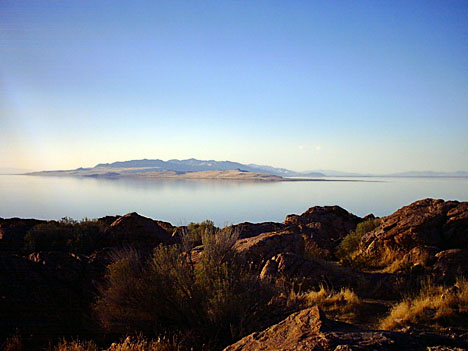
(358, 86)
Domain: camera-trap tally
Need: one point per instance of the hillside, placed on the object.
(181, 169)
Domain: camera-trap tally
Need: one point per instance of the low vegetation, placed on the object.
(435, 306)
(13, 343)
(204, 289)
(195, 231)
(212, 303)
(66, 235)
(313, 251)
(343, 302)
(139, 343)
(136, 343)
(74, 345)
(347, 249)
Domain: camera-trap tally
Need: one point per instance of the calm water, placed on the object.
(181, 202)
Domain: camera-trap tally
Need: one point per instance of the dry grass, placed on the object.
(75, 345)
(434, 307)
(13, 343)
(344, 301)
(141, 344)
(137, 343)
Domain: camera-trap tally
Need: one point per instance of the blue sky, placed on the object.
(367, 86)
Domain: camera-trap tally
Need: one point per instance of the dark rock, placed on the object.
(258, 249)
(168, 227)
(450, 264)
(309, 330)
(248, 230)
(107, 220)
(326, 226)
(424, 256)
(135, 230)
(309, 273)
(429, 225)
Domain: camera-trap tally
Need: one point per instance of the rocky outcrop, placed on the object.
(258, 249)
(168, 227)
(326, 226)
(415, 233)
(309, 273)
(248, 230)
(450, 264)
(310, 330)
(135, 230)
(106, 221)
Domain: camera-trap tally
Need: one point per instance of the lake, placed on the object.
(224, 202)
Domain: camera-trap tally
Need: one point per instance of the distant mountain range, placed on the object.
(194, 165)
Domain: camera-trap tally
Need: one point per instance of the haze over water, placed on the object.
(224, 202)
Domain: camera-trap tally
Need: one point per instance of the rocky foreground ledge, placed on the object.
(50, 277)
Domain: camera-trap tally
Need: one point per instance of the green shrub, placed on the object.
(350, 243)
(65, 235)
(195, 231)
(212, 302)
(313, 251)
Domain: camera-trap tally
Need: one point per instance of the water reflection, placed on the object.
(182, 201)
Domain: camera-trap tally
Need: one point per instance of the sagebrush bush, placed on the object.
(65, 235)
(313, 251)
(350, 243)
(195, 231)
(435, 306)
(214, 301)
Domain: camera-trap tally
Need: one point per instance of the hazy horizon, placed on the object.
(8, 170)
(367, 87)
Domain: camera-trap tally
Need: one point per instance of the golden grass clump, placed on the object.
(141, 344)
(12, 343)
(75, 345)
(434, 307)
(137, 343)
(344, 300)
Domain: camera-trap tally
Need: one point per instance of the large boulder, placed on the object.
(325, 226)
(309, 330)
(136, 231)
(450, 265)
(428, 225)
(258, 249)
(107, 220)
(309, 273)
(248, 230)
